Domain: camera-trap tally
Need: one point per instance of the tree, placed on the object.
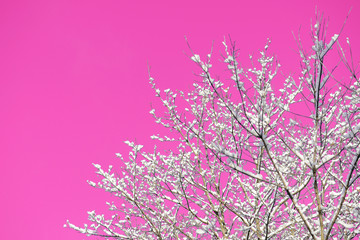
(251, 161)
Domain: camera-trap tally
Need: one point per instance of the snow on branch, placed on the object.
(244, 159)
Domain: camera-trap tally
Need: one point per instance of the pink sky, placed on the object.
(74, 86)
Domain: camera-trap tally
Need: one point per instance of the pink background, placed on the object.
(74, 86)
